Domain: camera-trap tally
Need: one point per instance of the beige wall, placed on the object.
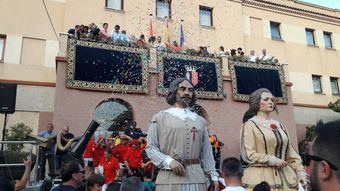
(35, 120)
(302, 60)
(35, 98)
(30, 119)
(234, 25)
(135, 19)
(34, 107)
(306, 117)
(30, 51)
(31, 42)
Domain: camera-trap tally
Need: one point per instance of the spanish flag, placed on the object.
(167, 34)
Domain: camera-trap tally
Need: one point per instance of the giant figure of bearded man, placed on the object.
(178, 143)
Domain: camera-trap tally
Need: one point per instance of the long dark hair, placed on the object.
(173, 88)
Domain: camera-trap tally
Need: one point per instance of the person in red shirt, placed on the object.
(133, 159)
(122, 148)
(99, 151)
(110, 166)
(88, 153)
(175, 48)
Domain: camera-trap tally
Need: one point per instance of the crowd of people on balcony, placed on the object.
(239, 55)
(120, 37)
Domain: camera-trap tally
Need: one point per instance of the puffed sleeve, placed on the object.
(248, 139)
(152, 149)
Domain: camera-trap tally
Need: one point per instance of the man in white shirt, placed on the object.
(252, 57)
(220, 52)
(159, 44)
(265, 56)
(232, 174)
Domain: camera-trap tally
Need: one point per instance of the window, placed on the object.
(310, 37)
(328, 39)
(275, 30)
(334, 86)
(2, 47)
(163, 8)
(114, 4)
(206, 16)
(317, 84)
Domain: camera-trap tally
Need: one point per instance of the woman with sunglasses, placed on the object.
(266, 147)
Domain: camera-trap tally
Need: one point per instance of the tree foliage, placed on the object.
(17, 132)
(335, 106)
(309, 135)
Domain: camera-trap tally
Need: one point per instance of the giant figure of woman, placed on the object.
(267, 149)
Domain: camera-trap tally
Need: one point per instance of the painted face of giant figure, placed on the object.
(267, 103)
(184, 94)
(181, 93)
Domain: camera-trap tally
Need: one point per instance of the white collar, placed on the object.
(182, 113)
(265, 122)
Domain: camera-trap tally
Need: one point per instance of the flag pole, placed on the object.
(167, 33)
(182, 35)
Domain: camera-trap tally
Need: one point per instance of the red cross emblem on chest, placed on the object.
(193, 131)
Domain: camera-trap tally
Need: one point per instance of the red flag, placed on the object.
(151, 27)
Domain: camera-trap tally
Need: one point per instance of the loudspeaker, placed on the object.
(8, 94)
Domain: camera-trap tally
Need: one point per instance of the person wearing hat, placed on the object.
(133, 159)
(121, 149)
(267, 149)
(178, 143)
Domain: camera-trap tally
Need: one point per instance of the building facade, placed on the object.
(304, 38)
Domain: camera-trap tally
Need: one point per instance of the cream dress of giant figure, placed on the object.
(266, 147)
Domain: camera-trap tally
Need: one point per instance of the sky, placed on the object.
(335, 4)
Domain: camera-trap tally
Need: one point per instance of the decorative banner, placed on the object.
(248, 77)
(204, 73)
(105, 67)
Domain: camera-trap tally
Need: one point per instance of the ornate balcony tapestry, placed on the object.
(248, 77)
(204, 73)
(106, 67)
